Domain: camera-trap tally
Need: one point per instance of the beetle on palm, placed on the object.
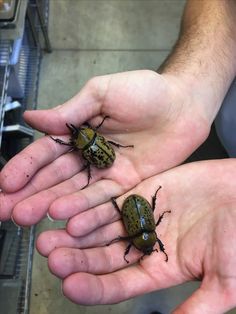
(139, 222)
(95, 149)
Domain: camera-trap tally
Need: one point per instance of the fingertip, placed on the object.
(25, 214)
(57, 210)
(46, 120)
(73, 228)
(61, 262)
(17, 172)
(50, 240)
(54, 262)
(64, 207)
(77, 226)
(87, 292)
(5, 207)
(27, 114)
(43, 243)
(7, 184)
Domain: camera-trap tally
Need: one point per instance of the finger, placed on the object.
(114, 287)
(65, 261)
(207, 299)
(34, 208)
(95, 194)
(59, 170)
(51, 239)
(22, 167)
(83, 106)
(89, 220)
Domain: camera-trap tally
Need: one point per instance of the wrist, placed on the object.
(203, 60)
(195, 100)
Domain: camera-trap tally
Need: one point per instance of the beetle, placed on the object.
(95, 149)
(138, 218)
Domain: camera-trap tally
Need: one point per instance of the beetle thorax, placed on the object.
(145, 242)
(84, 137)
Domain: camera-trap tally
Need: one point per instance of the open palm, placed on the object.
(199, 238)
(146, 110)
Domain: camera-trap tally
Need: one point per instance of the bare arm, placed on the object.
(204, 57)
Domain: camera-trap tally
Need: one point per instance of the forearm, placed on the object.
(204, 57)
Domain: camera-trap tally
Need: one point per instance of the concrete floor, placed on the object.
(94, 37)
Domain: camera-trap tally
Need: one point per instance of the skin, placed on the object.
(198, 234)
(166, 116)
(50, 181)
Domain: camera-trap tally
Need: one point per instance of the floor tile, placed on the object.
(114, 24)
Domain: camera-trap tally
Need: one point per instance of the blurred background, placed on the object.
(48, 50)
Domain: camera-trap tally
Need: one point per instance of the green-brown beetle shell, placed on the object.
(137, 215)
(99, 152)
(139, 222)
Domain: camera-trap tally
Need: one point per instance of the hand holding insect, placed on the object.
(199, 238)
(95, 149)
(138, 217)
(146, 110)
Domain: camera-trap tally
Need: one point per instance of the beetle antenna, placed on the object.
(154, 198)
(113, 200)
(161, 216)
(101, 123)
(58, 140)
(73, 129)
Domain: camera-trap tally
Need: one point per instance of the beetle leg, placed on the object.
(114, 240)
(87, 125)
(154, 198)
(127, 252)
(162, 248)
(119, 238)
(73, 129)
(87, 166)
(101, 123)
(89, 172)
(127, 248)
(58, 140)
(119, 145)
(144, 254)
(161, 216)
(113, 200)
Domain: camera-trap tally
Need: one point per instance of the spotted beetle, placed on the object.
(95, 149)
(139, 222)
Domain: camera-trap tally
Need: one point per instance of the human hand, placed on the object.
(199, 238)
(153, 112)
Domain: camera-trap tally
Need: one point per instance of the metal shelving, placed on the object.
(21, 49)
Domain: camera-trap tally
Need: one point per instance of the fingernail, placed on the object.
(18, 226)
(50, 218)
(62, 292)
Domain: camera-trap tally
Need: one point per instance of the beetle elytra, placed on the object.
(140, 225)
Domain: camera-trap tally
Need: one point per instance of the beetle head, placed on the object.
(73, 130)
(80, 137)
(148, 250)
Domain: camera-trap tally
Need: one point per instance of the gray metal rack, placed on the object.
(21, 49)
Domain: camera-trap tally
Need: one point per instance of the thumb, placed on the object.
(80, 108)
(207, 300)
